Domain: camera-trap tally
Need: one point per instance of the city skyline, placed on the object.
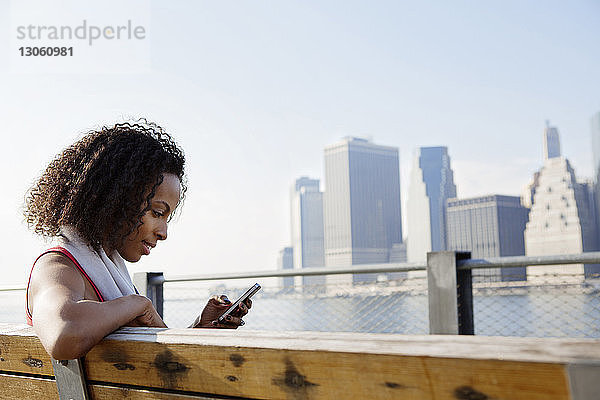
(487, 226)
(253, 92)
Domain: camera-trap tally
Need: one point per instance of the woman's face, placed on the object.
(154, 222)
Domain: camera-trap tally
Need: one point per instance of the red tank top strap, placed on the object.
(66, 253)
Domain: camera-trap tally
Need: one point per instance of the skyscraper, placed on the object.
(551, 142)
(286, 261)
(562, 218)
(361, 203)
(307, 228)
(595, 127)
(488, 226)
(431, 184)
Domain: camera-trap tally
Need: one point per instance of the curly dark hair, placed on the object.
(104, 183)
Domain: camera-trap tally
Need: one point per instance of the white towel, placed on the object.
(108, 273)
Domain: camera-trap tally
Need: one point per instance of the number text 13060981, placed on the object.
(46, 51)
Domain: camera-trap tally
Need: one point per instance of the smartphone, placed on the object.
(249, 293)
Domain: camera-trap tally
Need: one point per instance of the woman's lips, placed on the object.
(147, 246)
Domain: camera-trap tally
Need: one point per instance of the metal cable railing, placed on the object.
(400, 302)
(353, 269)
(548, 296)
(522, 261)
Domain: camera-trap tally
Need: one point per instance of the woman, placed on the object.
(105, 199)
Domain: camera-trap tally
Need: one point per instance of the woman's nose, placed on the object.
(161, 232)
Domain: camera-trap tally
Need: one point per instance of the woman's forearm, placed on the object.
(80, 325)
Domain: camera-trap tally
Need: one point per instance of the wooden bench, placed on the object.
(148, 363)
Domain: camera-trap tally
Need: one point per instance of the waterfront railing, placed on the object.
(544, 296)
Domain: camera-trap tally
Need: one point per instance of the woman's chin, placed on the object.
(132, 258)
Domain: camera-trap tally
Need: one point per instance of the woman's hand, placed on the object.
(148, 315)
(215, 307)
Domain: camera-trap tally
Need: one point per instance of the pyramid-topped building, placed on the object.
(562, 217)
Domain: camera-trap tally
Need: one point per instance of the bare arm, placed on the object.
(67, 324)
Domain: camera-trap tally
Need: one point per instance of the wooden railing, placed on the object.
(149, 363)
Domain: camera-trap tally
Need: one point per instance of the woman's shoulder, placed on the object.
(53, 274)
(56, 267)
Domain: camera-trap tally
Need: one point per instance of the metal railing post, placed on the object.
(150, 284)
(464, 295)
(450, 294)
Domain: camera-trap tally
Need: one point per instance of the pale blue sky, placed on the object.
(253, 91)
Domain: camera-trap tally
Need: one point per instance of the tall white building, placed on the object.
(361, 204)
(307, 228)
(529, 191)
(562, 217)
(431, 185)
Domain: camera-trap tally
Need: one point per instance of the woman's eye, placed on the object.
(157, 214)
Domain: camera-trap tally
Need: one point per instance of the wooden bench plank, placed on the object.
(312, 366)
(255, 373)
(19, 387)
(493, 379)
(103, 392)
(321, 372)
(21, 351)
(267, 373)
(552, 350)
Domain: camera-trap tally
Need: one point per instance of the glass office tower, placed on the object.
(307, 229)
(431, 184)
(361, 204)
(489, 226)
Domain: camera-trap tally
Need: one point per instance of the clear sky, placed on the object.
(254, 90)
